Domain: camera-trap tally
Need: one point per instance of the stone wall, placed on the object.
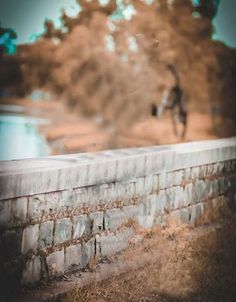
(59, 213)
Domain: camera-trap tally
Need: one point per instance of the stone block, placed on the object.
(93, 196)
(197, 211)
(88, 251)
(148, 211)
(185, 215)
(195, 171)
(73, 258)
(174, 198)
(163, 180)
(200, 191)
(30, 238)
(155, 188)
(139, 186)
(181, 215)
(220, 168)
(63, 230)
(126, 190)
(96, 222)
(132, 212)
(36, 207)
(19, 210)
(66, 200)
(46, 234)
(31, 271)
(174, 178)
(148, 184)
(81, 197)
(223, 184)
(119, 191)
(81, 226)
(112, 244)
(187, 175)
(56, 263)
(52, 203)
(111, 193)
(209, 170)
(161, 203)
(202, 172)
(188, 194)
(227, 167)
(114, 218)
(215, 188)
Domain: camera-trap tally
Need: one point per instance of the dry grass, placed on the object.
(176, 269)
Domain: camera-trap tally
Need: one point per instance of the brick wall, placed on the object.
(59, 213)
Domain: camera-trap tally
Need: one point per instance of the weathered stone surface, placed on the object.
(132, 212)
(112, 244)
(88, 251)
(67, 172)
(63, 230)
(202, 172)
(52, 203)
(32, 270)
(187, 175)
(161, 202)
(36, 207)
(174, 198)
(139, 186)
(81, 197)
(114, 218)
(197, 211)
(148, 184)
(163, 180)
(181, 215)
(93, 196)
(96, 222)
(148, 211)
(81, 226)
(66, 200)
(174, 178)
(125, 190)
(195, 173)
(73, 257)
(46, 234)
(30, 238)
(56, 263)
(200, 190)
(188, 194)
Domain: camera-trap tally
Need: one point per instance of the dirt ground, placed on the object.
(70, 132)
(179, 270)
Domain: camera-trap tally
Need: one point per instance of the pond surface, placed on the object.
(20, 138)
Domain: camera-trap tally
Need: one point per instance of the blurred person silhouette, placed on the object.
(173, 100)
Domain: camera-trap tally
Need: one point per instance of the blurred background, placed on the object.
(78, 76)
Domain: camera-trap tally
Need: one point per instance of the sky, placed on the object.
(26, 17)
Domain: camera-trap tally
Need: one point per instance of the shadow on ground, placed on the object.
(180, 270)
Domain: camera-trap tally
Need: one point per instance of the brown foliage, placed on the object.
(121, 83)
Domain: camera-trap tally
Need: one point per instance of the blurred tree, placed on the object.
(117, 68)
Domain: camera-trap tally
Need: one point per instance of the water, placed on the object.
(20, 138)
